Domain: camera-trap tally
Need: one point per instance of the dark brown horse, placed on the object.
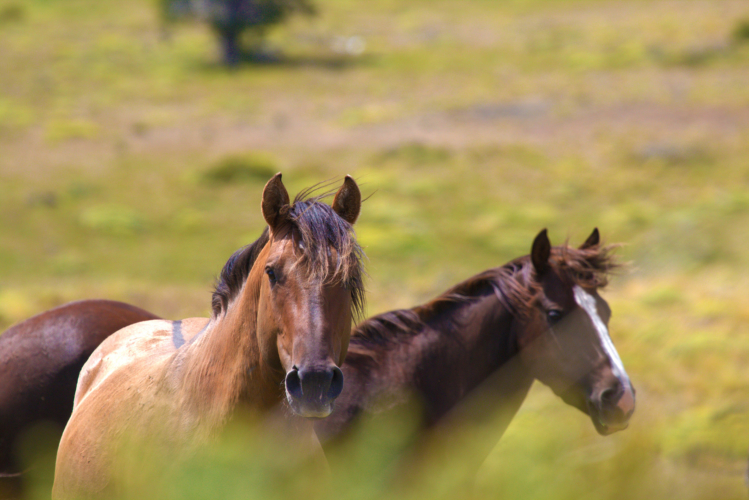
(40, 359)
(537, 317)
(280, 328)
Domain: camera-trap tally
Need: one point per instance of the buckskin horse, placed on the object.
(40, 359)
(538, 317)
(280, 327)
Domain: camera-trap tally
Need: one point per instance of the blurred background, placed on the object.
(134, 149)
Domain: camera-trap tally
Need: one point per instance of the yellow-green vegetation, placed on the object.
(131, 167)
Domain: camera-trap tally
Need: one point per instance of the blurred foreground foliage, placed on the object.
(549, 453)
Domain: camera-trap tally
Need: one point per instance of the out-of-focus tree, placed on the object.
(240, 24)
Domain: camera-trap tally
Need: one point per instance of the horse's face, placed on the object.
(567, 345)
(308, 313)
(311, 320)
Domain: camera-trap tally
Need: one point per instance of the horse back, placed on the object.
(121, 350)
(131, 369)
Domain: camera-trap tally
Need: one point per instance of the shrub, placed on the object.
(241, 168)
(741, 31)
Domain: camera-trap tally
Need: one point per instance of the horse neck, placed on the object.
(455, 352)
(224, 366)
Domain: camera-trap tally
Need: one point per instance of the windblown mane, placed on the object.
(512, 284)
(320, 228)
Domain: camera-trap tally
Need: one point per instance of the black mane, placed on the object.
(513, 284)
(235, 273)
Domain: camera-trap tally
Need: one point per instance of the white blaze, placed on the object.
(588, 303)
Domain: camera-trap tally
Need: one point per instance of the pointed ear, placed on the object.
(275, 204)
(540, 252)
(347, 201)
(593, 240)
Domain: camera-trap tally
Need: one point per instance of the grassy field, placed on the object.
(131, 167)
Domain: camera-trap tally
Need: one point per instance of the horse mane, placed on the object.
(235, 273)
(320, 227)
(513, 284)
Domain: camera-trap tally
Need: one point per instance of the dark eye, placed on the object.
(554, 316)
(271, 275)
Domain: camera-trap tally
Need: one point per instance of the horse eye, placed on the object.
(554, 316)
(271, 275)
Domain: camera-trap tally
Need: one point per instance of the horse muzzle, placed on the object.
(312, 391)
(611, 409)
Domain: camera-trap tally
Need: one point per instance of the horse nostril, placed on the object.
(294, 383)
(610, 396)
(315, 385)
(336, 383)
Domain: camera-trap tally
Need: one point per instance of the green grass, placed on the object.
(131, 167)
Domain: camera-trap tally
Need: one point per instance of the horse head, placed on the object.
(311, 285)
(565, 339)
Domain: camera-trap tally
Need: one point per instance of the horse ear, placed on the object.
(540, 252)
(275, 203)
(347, 201)
(593, 240)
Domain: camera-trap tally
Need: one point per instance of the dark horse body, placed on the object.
(40, 360)
(537, 317)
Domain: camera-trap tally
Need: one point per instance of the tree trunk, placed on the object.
(230, 47)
